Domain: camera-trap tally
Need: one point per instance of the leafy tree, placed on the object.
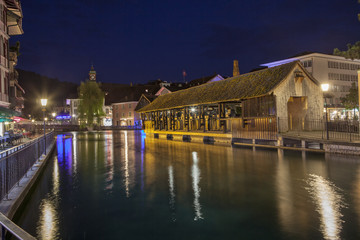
(353, 51)
(351, 100)
(92, 100)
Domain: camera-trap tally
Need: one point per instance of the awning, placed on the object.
(8, 113)
(6, 120)
(18, 119)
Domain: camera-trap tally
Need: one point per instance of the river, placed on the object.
(124, 185)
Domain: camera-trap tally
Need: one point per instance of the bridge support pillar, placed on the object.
(303, 143)
(280, 142)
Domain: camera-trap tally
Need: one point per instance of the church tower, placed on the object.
(92, 74)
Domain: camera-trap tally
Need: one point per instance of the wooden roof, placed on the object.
(245, 86)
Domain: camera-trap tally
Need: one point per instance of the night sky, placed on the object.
(141, 40)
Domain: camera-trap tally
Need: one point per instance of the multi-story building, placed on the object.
(10, 24)
(74, 110)
(338, 72)
(124, 114)
(16, 92)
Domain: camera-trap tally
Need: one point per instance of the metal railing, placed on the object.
(15, 230)
(318, 128)
(16, 161)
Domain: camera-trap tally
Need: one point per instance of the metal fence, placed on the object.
(319, 128)
(16, 161)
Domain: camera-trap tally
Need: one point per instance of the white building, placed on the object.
(338, 72)
(74, 110)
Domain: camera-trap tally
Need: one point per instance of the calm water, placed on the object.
(121, 185)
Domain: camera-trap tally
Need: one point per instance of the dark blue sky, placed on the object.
(140, 40)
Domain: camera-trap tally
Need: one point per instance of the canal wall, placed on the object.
(293, 143)
(19, 193)
(340, 148)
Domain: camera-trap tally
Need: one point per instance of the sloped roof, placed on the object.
(202, 80)
(245, 86)
(148, 97)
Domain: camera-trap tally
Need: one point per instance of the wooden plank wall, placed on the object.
(254, 128)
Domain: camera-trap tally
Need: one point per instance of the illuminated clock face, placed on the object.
(92, 77)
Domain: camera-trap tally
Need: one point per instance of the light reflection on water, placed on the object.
(158, 189)
(48, 226)
(329, 203)
(172, 192)
(195, 174)
(126, 149)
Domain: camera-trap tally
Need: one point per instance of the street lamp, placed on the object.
(43, 104)
(325, 88)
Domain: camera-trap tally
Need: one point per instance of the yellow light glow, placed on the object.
(325, 87)
(43, 102)
(329, 204)
(54, 114)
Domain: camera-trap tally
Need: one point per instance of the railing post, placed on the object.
(6, 177)
(3, 232)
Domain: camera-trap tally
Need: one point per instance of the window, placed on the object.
(342, 77)
(123, 106)
(307, 63)
(129, 114)
(123, 114)
(130, 105)
(117, 115)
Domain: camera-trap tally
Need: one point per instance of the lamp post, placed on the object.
(325, 88)
(43, 104)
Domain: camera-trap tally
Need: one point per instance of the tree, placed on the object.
(92, 100)
(353, 51)
(351, 100)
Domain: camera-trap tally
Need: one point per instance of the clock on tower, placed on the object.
(92, 74)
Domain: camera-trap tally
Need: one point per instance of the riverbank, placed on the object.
(10, 204)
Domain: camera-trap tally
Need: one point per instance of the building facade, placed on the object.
(10, 24)
(124, 115)
(16, 92)
(336, 71)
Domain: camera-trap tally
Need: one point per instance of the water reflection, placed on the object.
(285, 194)
(168, 188)
(109, 161)
(126, 149)
(329, 203)
(195, 174)
(48, 225)
(172, 192)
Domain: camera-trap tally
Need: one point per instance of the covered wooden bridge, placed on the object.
(245, 106)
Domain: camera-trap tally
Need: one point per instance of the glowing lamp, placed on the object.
(43, 102)
(325, 87)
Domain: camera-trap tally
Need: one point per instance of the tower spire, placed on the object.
(92, 73)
